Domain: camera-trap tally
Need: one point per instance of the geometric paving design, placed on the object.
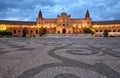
(60, 57)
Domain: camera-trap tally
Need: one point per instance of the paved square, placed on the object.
(60, 57)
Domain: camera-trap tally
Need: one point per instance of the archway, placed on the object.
(64, 31)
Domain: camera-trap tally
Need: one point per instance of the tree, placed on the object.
(105, 33)
(89, 30)
(42, 31)
(4, 30)
(24, 32)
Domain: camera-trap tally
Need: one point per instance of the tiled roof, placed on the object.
(17, 22)
(107, 22)
(50, 19)
(77, 18)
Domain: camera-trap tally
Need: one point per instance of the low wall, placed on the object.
(69, 35)
(115, 34)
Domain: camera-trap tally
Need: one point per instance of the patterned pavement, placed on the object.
(69, 57)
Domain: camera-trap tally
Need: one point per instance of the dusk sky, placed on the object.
(27, 10)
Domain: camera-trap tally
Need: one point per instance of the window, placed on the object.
(31, 31)
(19, 31)
(114, 30)
(36, 31)
(96, 30)
(109, 30)
(100, 30)
(69, 32)
(119, 30)
(87, 22)
(15, 31)
(58, 32)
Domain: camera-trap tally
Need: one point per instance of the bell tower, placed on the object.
(87, 15)
(40, 14)
(40, 18)
(88, 19)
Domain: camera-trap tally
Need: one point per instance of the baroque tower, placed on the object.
(40, 18)
(88, 18)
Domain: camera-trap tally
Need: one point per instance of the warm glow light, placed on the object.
(3, 28)
(96, 26)
(79, 26)
(83, 26)
(74, 25)
(52, 26)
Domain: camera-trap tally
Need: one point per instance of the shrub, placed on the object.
(88, 30)
(24, 32)
(106, 33)
(5, 32)
(42, 31)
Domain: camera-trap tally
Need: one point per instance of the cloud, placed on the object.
(28, 9)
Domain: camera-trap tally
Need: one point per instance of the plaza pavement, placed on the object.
(64, 57)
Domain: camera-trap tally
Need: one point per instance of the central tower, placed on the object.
(63, 23)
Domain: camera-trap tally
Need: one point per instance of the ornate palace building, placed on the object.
(63, 24)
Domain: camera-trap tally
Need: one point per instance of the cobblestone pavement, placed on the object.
(60, 57)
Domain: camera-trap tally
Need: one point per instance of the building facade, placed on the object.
(63, 24)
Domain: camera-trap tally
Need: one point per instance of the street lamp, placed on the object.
(54, 28)
(76, 30)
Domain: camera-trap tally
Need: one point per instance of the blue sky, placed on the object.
(27, 10)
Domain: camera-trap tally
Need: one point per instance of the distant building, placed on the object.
(63, 24)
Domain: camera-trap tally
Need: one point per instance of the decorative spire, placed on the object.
(87, 14)
(40, 13)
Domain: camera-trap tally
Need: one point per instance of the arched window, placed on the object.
(36, 31)
(31, 31)
(63, 24)
(87, 22)
(19, 31)
(58, 32)
(109, 30)
(114, 30)
(14, 31)
(96, 30)
(119, 30)
(69, 32)
(100, 30)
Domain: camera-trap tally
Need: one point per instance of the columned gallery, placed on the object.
(62, 24)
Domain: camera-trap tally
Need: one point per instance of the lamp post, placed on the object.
(54, 29)
(76, 27)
